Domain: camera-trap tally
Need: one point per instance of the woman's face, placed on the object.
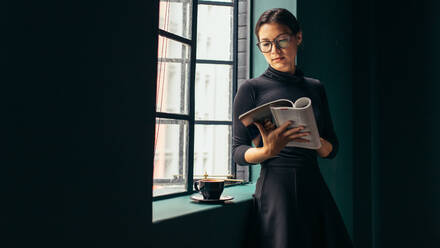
(281, 59)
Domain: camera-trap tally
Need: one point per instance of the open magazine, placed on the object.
(282, 110)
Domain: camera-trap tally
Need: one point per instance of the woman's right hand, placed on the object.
(275, 139)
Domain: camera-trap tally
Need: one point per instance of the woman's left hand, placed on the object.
(325, 149)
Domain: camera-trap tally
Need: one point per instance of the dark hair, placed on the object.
(280, 16)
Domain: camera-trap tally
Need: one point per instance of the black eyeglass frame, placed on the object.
(276, 42)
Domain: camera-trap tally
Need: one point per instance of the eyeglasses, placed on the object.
(282, 42)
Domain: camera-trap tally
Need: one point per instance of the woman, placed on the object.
(293, 204)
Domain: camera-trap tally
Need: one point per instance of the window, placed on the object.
(196, 83)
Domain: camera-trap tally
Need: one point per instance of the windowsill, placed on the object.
(183, 205)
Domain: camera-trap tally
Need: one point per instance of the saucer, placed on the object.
(223, 198)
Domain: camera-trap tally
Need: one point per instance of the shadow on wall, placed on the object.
(227, 226)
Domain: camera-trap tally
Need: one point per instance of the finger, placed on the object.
(301, 140)
(293, 130)
(260, 128)
(269, 125)
(283, 127)
(266, 122)
(298, 135)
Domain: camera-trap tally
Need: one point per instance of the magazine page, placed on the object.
(301, 114)
(263, 112)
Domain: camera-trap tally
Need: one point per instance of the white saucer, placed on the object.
(199, 198)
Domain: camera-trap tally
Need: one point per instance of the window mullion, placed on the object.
(190, 164)
(215, 62)
(172, 116)
(175, 37)
(234, 76)
(217, 3)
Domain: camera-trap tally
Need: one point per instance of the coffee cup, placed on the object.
(211, 189)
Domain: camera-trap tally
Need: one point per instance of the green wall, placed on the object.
(326, 31)
(327, 56)
(258, 63)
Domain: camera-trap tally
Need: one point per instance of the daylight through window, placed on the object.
(195, 87)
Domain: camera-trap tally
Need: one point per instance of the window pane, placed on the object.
(172, 77)
(212, 150)
(213, 92)
(170, 158)
(175, 17)
(214, 32)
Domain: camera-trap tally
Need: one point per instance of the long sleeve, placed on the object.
(328, 133)
(242, 136)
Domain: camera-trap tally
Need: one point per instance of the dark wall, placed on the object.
(79, 93)
(365, 122)
(326, 54)
(227, 226)
(396, 56)
(406, 88)
(394, 64)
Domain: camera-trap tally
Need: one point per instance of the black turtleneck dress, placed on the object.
(294, 207)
